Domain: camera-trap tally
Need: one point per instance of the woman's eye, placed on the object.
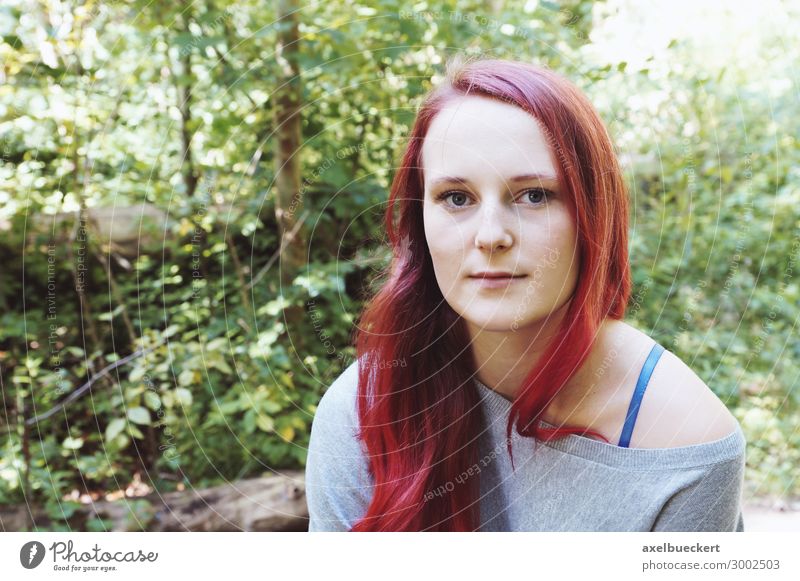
(458, 199)
(536, 195)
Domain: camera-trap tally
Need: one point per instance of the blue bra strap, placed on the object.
(636, 400)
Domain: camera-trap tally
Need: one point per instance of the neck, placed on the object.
(504, 358)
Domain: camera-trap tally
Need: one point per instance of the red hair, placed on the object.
(418, 407)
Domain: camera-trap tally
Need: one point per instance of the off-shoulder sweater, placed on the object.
(571, 484)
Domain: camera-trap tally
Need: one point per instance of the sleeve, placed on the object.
(712, 502)
(338, 485)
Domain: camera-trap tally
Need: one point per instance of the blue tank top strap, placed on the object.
(636, 400)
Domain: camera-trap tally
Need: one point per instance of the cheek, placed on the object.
(552, 247)
(565, 245)
(445, 242)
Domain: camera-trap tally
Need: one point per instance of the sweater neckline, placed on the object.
(497, 408)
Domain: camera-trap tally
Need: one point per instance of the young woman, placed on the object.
(496, 385)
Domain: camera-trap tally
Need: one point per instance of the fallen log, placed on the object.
(127, 231)
(272, 503)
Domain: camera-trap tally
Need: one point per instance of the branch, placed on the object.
(85, 387)
(278, 252)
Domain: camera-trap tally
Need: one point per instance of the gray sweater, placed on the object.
(573, 484)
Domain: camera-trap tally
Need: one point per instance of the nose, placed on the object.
(493, 234)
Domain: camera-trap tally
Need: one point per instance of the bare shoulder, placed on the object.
(678, 408)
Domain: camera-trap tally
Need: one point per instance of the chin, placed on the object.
(495, 324)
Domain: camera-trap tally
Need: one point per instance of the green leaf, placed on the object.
(229, 407)
(217, 344)
(136, 374)
(265, 423)
(271, 407)
(152, 400)
(111, 315)
(184, 396)
(139, 415)
(249, 422)
(170, 331)
(114, 428)
(135, 432)
(68, 508)
(186, 377)
(300, 453)
(287, 433)
(73, 443)
(98, 525)
(221, 364)
(287, 380)
(273, 307)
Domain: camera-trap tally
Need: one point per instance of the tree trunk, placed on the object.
(184, 86)
(288, 168)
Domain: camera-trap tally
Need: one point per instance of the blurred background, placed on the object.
(191, 200)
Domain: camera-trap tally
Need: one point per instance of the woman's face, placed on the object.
(493, 204)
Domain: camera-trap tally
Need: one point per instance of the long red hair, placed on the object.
(418, 407)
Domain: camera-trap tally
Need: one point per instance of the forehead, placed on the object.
(481, 138)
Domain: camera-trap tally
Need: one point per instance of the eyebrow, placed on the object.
(521, 178)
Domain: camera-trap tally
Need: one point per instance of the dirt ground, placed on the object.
(765, 518)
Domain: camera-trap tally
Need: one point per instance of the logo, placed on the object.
(31, 554)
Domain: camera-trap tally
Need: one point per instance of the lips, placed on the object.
(493, 281)
(493, 275)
